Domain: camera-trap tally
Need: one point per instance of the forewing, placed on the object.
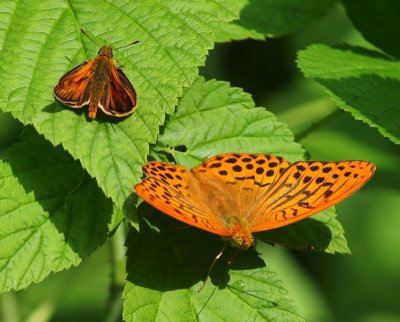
(120, 99)
(166, 188)
(242, 178)
(306, 188)
(72, 89)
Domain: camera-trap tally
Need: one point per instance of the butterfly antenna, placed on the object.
(212, 265)
(132, 43)
(91, 39)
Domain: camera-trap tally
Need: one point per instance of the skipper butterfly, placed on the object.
(98, 83)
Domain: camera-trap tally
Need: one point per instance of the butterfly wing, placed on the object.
(166, 188)
(306, 188)
(72, 89)
(234, 168)
(120, 99)
(240, 178)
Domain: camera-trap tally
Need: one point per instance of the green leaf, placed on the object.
(166, 264)
(379, 26)
(272, 18)
(235, 31)
(361, 82)
(52, 213)
(223, 119)
(37, 40)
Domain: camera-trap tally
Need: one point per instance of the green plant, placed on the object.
(67, 184)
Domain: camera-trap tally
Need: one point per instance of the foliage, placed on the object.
(67, 184)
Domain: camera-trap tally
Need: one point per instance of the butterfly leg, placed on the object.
(234, 256)
(212, 265)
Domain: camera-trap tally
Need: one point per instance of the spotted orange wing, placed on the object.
(270, 192)
(306, 188)
(237, 193)
(167, 187)
(240, 178)
(244, 169)
(72, 89)
(120, 99)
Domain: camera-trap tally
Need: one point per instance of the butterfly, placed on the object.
(237, 194)
(98, 84)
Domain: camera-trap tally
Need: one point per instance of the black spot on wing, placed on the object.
(237, 168)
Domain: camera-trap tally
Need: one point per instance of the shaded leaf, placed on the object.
(380, 26)
(272, 18)
(165, 267)
(361, 82)
(52, 213)
(321, 232)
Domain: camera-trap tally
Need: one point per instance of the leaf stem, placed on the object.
(117, 275)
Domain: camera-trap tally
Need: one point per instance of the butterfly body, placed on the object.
(226, 208)
(98, 84)
(237, 194)
(240, 234)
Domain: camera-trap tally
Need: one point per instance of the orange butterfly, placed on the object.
(237, 194)
(99, 84)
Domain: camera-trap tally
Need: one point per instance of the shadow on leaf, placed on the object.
(168, 255)
(65, 193)
(306, 234)
(57, 107)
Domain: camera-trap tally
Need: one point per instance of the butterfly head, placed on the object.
(242, 241)
(105, 51)
(241, 236)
